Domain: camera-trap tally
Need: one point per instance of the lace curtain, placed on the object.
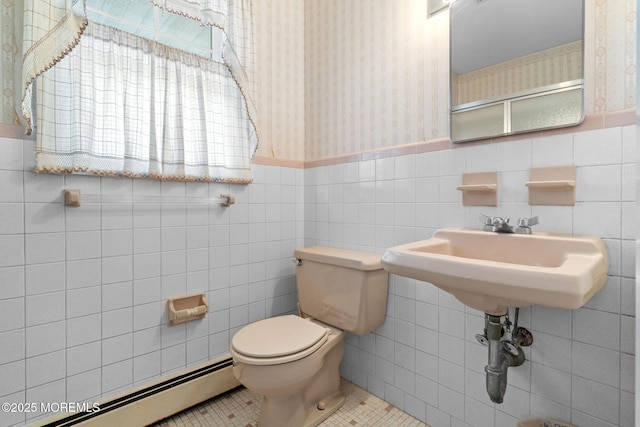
(51, 29)
(117, 104)
(234, 18)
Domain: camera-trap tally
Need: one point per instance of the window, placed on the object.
(147, 93)
(142, 18)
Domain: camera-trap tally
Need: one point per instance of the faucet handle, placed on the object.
(527, 222)
(486, 220)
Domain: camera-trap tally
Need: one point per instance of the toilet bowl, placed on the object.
(300, 381)
(294, 361)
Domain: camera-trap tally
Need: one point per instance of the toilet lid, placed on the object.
(277, 336)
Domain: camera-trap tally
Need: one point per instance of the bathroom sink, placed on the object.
(491, 271)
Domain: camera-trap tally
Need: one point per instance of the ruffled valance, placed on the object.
(109, 103)
(234, 18)
(155, 112)
(53, 27)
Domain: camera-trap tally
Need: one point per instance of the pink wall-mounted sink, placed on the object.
(492, 271)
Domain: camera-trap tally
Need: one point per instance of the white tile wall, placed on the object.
(83, 290)
(581, 365)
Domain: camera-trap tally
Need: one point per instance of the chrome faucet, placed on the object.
(499, 224)
(524, 225)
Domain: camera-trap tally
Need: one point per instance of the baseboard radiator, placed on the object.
(157, 401)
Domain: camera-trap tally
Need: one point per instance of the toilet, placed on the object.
(293, 361)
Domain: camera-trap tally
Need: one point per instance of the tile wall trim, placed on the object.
(591, 122)
(400, 150)
(15, 132)
(270, 161)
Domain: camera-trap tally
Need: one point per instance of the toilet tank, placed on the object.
(343, 288)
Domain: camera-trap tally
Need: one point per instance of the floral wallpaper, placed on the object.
(10, 17)
(376, 73)
(364, 75)
(338, 77)
(610, 60)
(280, 71)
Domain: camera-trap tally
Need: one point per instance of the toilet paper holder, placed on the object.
(184, 309)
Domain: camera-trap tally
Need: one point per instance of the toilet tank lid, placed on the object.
(343, 257)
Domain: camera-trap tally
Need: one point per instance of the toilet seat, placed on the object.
(276, 340)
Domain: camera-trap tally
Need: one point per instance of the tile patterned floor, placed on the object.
(240, 408)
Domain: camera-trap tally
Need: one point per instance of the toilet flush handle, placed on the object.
(297, 261)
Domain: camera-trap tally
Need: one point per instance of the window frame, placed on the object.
(213, 51)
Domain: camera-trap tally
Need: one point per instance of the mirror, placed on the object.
(516, 66)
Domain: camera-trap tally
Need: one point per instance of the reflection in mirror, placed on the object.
(516, 66)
